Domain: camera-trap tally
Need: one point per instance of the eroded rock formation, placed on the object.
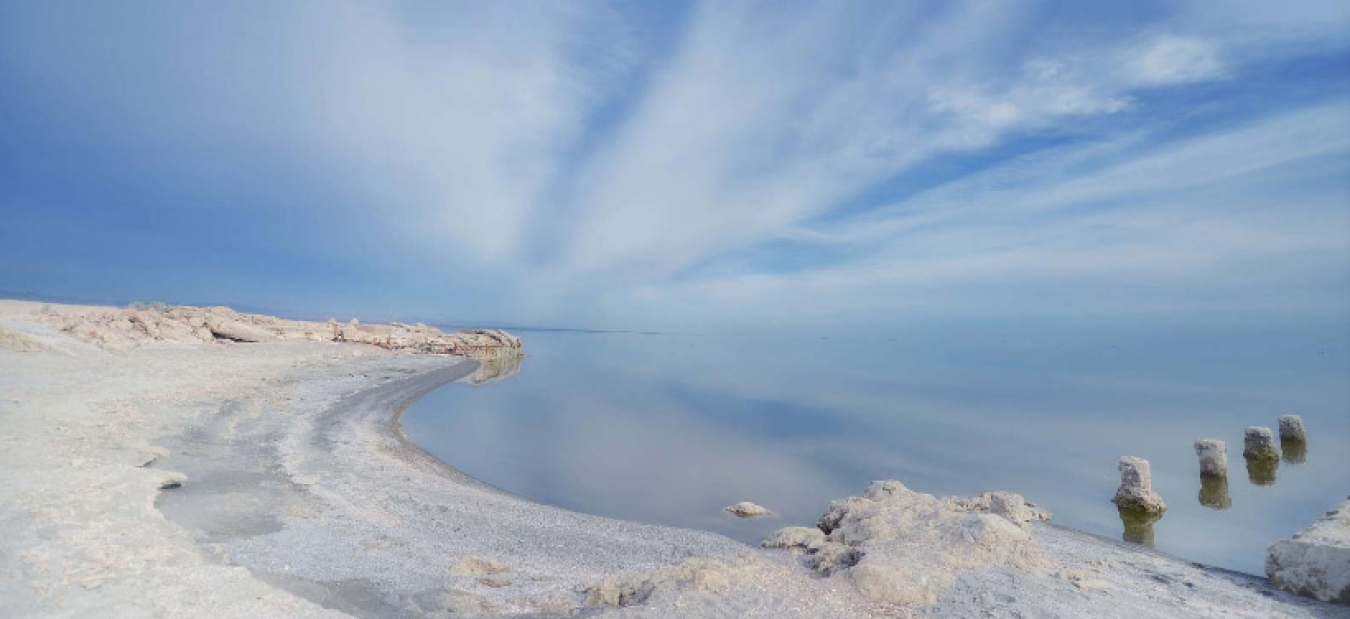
(899, 546)
(123, 329)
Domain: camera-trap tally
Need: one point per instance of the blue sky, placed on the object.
(686, 166)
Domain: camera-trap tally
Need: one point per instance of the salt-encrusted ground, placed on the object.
(296, 498)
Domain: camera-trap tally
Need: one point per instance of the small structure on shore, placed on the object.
(1213, 454)
(1136, 488)
(1259, 444)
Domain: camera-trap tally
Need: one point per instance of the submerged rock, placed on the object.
(1316, 561)
(746, 509)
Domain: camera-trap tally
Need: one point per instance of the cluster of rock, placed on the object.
(899, 546)
(129, 328)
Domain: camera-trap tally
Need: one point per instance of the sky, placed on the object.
(682, 166)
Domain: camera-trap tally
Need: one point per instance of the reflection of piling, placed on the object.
(1136, 487)
(1259, 444)
(1261, 471)
(1213, 455)
(1294, 452)
(1291, 428)
(1138, 526)
(1214, 492)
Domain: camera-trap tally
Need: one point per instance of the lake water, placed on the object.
(670, 429)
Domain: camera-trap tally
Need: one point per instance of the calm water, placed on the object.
(670, 428)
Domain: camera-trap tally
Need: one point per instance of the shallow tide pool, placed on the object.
(669, 428)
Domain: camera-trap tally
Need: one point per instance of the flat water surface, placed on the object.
(669, 429)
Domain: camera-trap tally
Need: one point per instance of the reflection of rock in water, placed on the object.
(1294, 451)
(1214, 492)
(1261, 471)
(496, 368)
(1138, 526)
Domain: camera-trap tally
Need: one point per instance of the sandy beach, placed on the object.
(269, 479)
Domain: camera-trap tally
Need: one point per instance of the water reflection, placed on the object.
(1138, 526)
(1294, 451)
(496, 368)
(1214, 492)
(671, 429)
(1261, 471)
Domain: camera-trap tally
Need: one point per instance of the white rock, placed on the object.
(904, 547)
(1316, 561)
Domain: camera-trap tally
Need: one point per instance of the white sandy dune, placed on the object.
(200, 478)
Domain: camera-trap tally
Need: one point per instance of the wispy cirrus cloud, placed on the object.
(578, 163)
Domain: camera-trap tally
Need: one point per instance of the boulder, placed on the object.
(899, 546)
(1316, 561)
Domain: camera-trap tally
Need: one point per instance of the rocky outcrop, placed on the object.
(899, 546)
(125, 329)
(1316, 561)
